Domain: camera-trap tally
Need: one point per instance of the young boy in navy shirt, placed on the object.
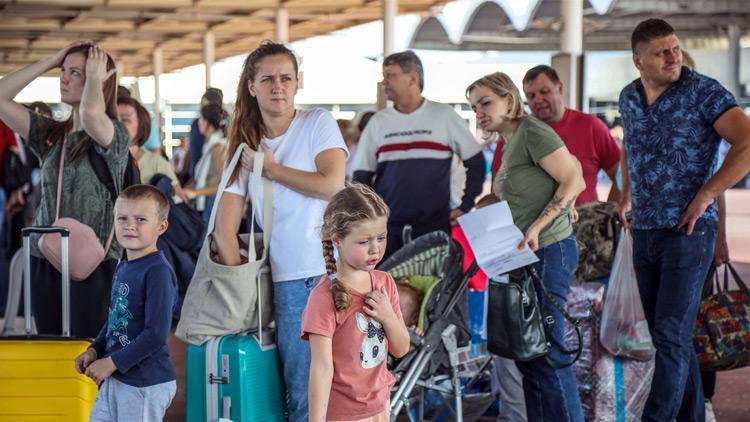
(129, 358)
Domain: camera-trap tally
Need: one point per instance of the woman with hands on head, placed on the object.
(88, 85)
(540, 180)
(304, 158)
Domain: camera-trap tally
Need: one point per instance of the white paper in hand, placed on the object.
(494, 239)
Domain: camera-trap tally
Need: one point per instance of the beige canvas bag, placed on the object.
(223, 300)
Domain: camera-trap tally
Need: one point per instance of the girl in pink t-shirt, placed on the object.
(352, 318)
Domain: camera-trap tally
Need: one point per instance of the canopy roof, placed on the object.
(607, 24)
(31, 30)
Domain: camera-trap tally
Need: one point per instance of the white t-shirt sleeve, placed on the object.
(461, 139)
(365, 158)
(239, 187)
(326, 134)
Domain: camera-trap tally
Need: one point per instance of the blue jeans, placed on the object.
(552, 394)
(671, 268)
(206, 213)
(290, 299)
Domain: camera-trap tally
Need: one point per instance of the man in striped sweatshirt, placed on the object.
(405, 154)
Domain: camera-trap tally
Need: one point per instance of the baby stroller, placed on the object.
(437, 355)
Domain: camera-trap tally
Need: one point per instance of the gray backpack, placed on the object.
(596, 233)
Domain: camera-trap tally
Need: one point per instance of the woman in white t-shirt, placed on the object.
(305, 157)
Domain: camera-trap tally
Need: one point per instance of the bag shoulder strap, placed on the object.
(737, 279)
(60, 178)
(548, 321)
(102, 172)
(708, 285)
(256, 181)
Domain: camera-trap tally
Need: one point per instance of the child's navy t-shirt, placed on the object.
(144, 293)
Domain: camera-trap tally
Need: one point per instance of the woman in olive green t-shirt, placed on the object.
(540, 180)
(87, 84)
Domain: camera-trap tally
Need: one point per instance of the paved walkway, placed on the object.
(732, 399)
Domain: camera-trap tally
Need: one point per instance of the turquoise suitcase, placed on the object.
(235, 378)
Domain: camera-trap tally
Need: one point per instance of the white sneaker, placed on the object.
(710, 417)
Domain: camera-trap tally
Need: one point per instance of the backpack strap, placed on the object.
(102, 172)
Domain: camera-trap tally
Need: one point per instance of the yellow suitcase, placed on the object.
(38, 380)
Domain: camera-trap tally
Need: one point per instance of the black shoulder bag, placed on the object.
(517, 328)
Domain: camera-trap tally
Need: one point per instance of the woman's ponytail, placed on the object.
(215, 116)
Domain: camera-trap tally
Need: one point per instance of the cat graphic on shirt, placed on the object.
(373, 349)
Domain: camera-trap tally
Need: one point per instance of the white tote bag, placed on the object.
(221, 299)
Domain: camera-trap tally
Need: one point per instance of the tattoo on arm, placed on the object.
(554, 205)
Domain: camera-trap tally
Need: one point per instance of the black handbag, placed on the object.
(15, 172)
(517, 328)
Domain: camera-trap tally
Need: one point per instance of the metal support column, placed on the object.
(390, 10)
(282, 25)
(734, 33)
(568, 62)
(157, 68)
(209, 55)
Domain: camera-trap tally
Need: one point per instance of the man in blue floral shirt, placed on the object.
(674, 119)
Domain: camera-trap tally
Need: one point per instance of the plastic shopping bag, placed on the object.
(624, 331)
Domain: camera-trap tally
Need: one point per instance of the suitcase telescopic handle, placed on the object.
(263, 270)
(26, 231)
(64, 237)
